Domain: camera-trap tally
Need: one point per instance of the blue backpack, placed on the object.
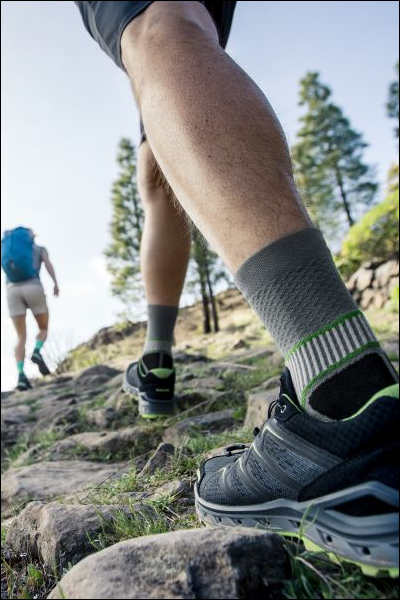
(17, 255)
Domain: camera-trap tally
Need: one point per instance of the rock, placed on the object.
(364, 279)
(175, 489)
(184, 358)
(241, 343)
(352, 282)
(258, 401)
(255, 354)
(393, 283)
(391, 347)
(101, 417)
(209, 422)
(271, 383)
(187, 376)
(386, 271)
(131, 440)
(207, 383)
(46, 480)
(59, 534)
(276, 360)
(114, 382)
(95, 376)
(379, 299)
(221, 562)
(159, 459)
(15, 421)
(367, 298)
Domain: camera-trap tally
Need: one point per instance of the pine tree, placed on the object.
(392, 104)
(328, 160)
(123, 252)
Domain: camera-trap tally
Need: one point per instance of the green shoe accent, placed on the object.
(368, 570)
(162, 373)
(392, 391)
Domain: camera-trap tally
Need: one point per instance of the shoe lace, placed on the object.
(278, 403)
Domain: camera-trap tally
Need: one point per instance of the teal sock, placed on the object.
(20, 366)
(39, 345)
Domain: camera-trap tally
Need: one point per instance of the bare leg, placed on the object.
(43, 323)
(212, 131)
(166, 237)
(20, 328)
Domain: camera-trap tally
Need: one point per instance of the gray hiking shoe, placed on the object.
(333, 484)
(152, 382)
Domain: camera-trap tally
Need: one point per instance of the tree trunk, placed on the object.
(343, 195)
(206, 309)
(212, 301)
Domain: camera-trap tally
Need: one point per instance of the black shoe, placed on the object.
(23, 383)
(333, 484)
(153, 383)
(37, 358)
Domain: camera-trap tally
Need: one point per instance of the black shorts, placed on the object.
(106, 21)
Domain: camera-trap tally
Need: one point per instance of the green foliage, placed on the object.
(122, 254)
(394, 299)
(392, 104)
(375, 236)
(332, 178)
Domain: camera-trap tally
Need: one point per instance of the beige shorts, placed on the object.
(26, 295)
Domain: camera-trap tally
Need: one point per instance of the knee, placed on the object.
(152, 184)
(21, 340)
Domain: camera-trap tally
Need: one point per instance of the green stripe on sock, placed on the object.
(39, 345)
(324, 329)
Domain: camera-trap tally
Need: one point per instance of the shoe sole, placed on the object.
(369, 542)
(43, 369)
(149, 408)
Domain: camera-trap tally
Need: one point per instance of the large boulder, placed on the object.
(195, 563)
(60, 534)
(46, 480)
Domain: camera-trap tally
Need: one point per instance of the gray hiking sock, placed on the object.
(294, 287)
(160, 328)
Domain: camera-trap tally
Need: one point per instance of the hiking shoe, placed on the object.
(23, 383)
(37, 358)
(333, 484)
(152, 382)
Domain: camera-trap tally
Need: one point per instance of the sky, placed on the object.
(65, 106)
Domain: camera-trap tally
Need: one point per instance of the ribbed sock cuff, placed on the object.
(160, 328)
(317, 356)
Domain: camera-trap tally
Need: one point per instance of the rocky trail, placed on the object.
(98, 503)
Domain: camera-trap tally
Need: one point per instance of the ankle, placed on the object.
(38, 346)
(349, 389)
